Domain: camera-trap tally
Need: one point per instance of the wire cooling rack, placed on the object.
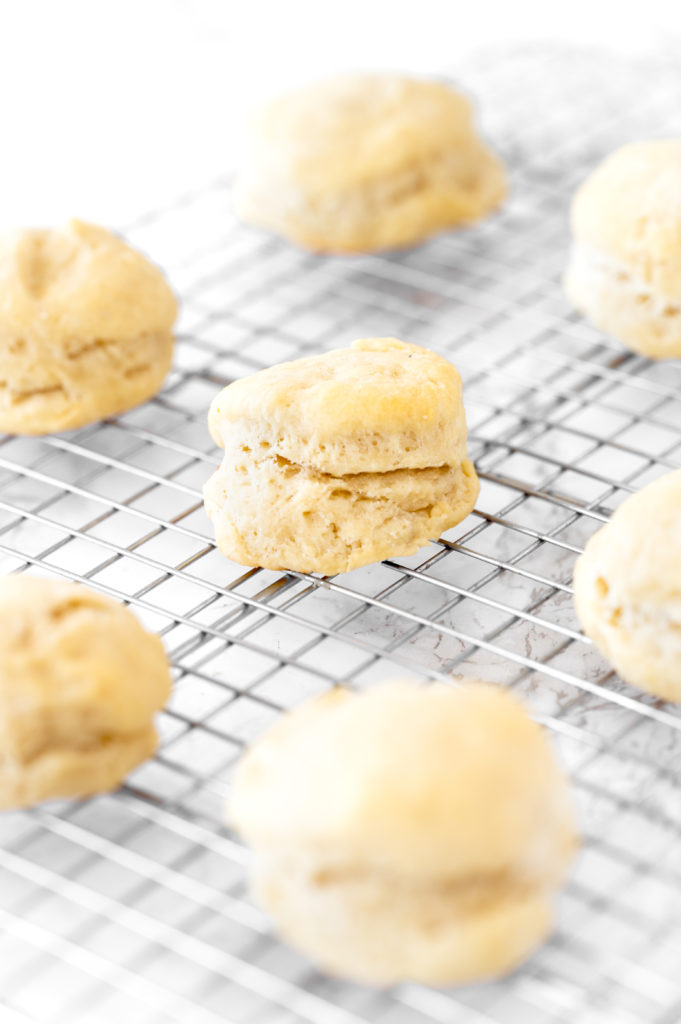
(134, 906)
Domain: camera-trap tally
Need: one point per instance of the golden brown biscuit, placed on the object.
(80, 681)
(628, 588)
(335, 461)
(625, 268)
(407, 832)
(85, 328)
(365, 162)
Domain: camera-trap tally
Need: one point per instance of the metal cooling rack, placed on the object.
(134, 906)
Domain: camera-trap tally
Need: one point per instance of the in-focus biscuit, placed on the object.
(367, 162)
(338, 460)
(407, 832)
(85, 328)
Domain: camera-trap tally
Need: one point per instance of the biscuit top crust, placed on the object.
(379, 405)
(79, 282)
(635, 559)
(629, 209)
(351, 130)
(76, 668)
(422, 781)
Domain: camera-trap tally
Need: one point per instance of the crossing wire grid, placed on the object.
(134, 906)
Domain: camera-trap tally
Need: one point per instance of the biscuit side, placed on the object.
(85, 328)
(479, 793)
(380, 405)
(629, 209)
(446, 189)
(407, 832)
(280, 515)
(627, 593)
(77, 670)
(615, 300)
(381, 929)
(64, 772)
(44, 391)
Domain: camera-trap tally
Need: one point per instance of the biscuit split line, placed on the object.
(309, 469)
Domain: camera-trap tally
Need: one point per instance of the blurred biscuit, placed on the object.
(407, 832)
(625, 268)
(80, 681)
(628, 588)
(85, 328)
(366, 162)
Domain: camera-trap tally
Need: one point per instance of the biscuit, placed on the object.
(85, 328)
(360, 163)
(407, 832)
(80, 681)
(338, 460)
(628, 588)
(625, 269)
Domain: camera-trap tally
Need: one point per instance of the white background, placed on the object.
(109, 108)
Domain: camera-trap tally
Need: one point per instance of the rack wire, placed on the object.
(134, 906)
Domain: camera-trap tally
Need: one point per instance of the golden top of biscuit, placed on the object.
(421, 781)
(349, 130)
(381, 404)
(637, 555)
(79, 281)
(76, 669)
(630, 210)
